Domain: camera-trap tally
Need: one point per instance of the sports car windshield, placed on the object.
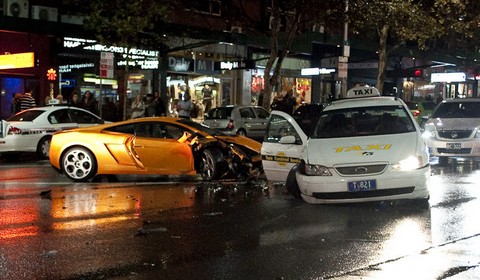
(365, 121)
(457, 110)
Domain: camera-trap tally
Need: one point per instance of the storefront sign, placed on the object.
(106, 65)
(448, 77)
(68, 83)
(18, 60)
(233, 65)
(68, 68)
(180, 64)
(316, 71)
(205, 67)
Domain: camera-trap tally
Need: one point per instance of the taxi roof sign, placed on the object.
(362, 91)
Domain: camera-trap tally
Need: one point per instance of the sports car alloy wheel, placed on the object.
(79, 164)
(209, 165)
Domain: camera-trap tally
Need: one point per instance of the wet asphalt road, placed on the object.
(159, 228)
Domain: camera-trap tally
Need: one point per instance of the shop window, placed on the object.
(211, 7)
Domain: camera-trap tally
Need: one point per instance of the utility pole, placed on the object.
(343, 60)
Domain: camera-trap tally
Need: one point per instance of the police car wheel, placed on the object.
(291, 183)
(43, 147)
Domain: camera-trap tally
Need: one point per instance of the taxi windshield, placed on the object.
(364, 121)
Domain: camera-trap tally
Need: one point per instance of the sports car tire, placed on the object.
(209, 167)
(79, 164)
(43, 147)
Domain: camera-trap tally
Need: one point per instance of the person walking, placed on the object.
(27, 101)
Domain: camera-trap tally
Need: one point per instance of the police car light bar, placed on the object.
(363, 91)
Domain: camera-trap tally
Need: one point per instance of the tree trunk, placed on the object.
(382, 58)
(275, 56)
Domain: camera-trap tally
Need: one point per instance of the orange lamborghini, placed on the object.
(153, 146)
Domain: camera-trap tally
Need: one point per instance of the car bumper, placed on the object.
(19, 143)
(389, 186)
(467, 148)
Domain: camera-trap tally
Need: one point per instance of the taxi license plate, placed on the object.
(365, 185)
(454, 146)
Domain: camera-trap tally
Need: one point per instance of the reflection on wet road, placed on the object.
(157, 229)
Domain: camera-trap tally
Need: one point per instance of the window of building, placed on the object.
(210, 7)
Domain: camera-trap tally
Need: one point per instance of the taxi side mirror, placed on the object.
(289, 139)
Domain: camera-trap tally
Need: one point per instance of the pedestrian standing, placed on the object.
(138, 107)
(207, 98)
(16, 103)
(27, 101)
(89, 102)
(185, 106)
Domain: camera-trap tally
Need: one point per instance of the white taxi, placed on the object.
(365, 147)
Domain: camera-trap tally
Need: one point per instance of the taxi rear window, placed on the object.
(365, 121)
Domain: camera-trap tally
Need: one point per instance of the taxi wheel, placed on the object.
(43, 147)
(79, 164)
(209, 166)
(291, 183)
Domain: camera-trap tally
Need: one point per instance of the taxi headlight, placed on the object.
(408, 164)
(316, 170)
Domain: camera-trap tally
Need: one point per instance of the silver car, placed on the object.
(453, 129)
(31, 130)
(250, 121)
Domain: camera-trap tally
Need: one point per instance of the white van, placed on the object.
(365, 147)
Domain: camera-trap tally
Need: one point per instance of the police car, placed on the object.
(365, 147)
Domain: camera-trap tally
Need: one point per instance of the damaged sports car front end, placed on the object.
(154, 146)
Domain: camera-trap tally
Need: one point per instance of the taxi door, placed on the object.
(282, 146)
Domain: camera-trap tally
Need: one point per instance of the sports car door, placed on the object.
(282, 146)
(159, 151)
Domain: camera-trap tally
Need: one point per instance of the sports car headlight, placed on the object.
(316, 170)
(408, 164)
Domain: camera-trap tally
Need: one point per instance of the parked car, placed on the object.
(421, 110)
(453, 129)
(249, 121)
(32, 129)
(365, 147)
(154, 146)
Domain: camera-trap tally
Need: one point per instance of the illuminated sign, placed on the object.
(18, 60)
(68, 68)
(232, 65)
(51, 74)
(316, 71)
(448, 77)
